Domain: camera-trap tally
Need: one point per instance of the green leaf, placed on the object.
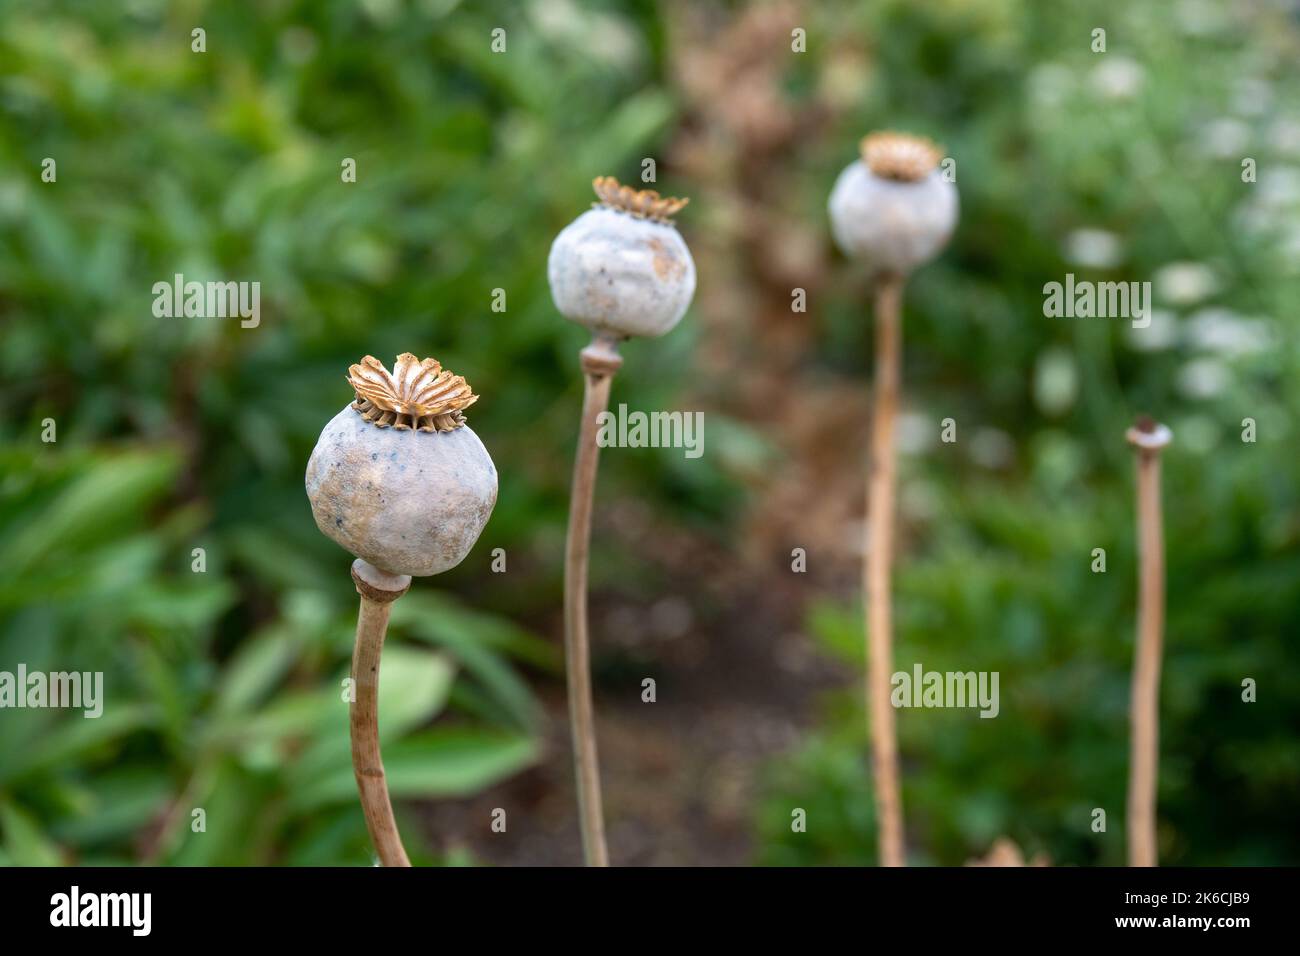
(256, 669)
(75, 738)
(456, 762)
(466, 644)
(444, 762)
(23, 839)
(290, 715)
(232, 804)
(87, 510)
(443, 614)
(117, 805)
(413, 688)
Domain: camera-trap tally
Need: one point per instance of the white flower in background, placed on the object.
(437, 9)
(1197, 434)
(297, 45)
(557, 19)
(383, 12)
(1050, 84)
(1203, 378)
(844, 75)
(1251, 96)
(1273, 203)
(601, 36)
(1217, 329)
(920, 501)
(617, 44)
(1118, 77)
(1093, 248)
(1284, 136)
(991, 448)
(13, 199)
(1160, 334)
(1278, 187)
(1184, 283)
(1289, 248)
(1199, 18)
(915, 433)
(1056, 381)
(1225, 138)
(1252, 218)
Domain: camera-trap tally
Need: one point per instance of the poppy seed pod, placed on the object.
(397, 477)
(893, 208)
(622, 268)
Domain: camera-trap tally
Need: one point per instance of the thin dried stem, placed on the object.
(378, 591)
(600, 360)
(878, 570)
(1145, 726)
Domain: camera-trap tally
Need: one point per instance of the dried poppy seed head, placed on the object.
(894, 209)
(622, 268)
(411, 498)
(420, 395)
(898, 156)
(645, 203)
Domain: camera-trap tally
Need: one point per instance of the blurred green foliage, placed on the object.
(1142, 144)
(223, 687)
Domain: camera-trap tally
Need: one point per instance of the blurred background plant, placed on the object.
(223, 686)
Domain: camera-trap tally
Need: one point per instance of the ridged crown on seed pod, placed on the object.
(642, 203)
(419, 395)
(900, 156)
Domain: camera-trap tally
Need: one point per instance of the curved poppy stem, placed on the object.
(378, 590)
(600, 360)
